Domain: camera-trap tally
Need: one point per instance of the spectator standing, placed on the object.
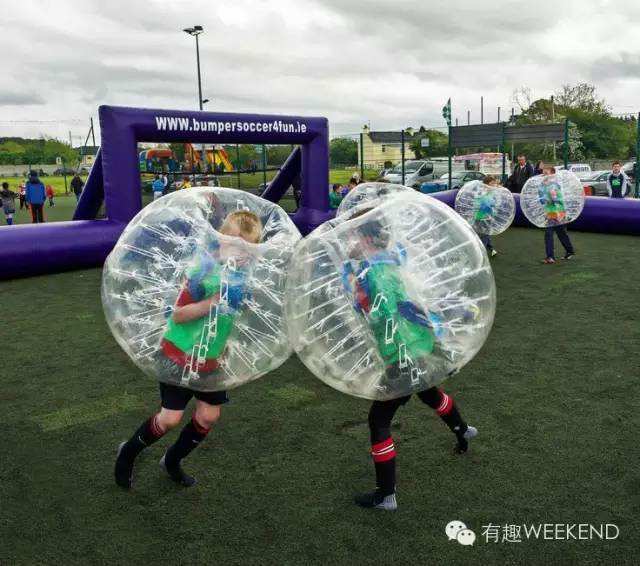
(23, 195)
(617, 182)
(35, 197)
(8, 202)
(186, 184)
(353, 183)
(522, 171)
(537, 170)
(335, 198)
(157, 187)
(50, 195)
(77, 184)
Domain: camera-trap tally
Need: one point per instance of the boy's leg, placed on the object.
(194, 432)
(548, 242)
(174, 400)
(447, 410)
(149, 432)
(384, 455)
(563, 236)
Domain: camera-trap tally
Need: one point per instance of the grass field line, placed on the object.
(85, 413)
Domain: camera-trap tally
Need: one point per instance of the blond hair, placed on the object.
(247, 223)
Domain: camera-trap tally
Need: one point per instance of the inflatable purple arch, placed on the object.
(115, 181)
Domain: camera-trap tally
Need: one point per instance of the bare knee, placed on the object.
(168, 419)
(207, 415)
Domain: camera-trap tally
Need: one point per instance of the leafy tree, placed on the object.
(343, 151)
(438, 143)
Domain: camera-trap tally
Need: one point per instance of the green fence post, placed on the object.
(637, 168)
(402, 152)
(238, 163)
(362, 156)
(264, 165)
(504, 157)
(449, 152)
(565, 145)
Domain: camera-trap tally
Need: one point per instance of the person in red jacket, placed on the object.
(50, 195)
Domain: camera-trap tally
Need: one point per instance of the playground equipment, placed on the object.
(214, 158)
(149, 157)
(115, 180)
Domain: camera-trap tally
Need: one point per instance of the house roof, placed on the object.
(389, 137)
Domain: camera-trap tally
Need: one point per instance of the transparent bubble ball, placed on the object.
(552, 200)
(193, 307)
(390, 302)
(488, 209)
(370, 193)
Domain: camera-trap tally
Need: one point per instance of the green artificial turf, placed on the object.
(554, 394)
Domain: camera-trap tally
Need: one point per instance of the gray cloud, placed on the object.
(20, 99)
(393, 63)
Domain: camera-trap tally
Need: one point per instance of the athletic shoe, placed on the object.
(463, 439)
(549, 260)
(123, 471)
(177, 474)
(568, 256)
(493, 253)
(375, 500)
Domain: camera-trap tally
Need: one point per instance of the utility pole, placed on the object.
(468, 117)
(93, 135)
(482, 109)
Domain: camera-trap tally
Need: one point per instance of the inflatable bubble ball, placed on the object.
(371, 194)
(488, 209)
(193, 291)
(552, 200)
(390, 300)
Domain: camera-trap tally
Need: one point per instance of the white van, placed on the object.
(416, 172)
(581, 170)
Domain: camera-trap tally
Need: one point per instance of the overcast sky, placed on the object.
(393, 63)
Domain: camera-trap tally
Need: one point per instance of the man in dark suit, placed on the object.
(523, 170)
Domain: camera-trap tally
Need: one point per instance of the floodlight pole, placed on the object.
(199, 77)
(195, 31)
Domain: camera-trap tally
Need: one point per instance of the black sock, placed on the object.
(190, 436)
(386, 477)
(148, 433)
(384, 460)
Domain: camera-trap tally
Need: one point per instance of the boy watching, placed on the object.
(617, 182)
(335, 198)
(213, 293)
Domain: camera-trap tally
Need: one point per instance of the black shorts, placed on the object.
(176, 398)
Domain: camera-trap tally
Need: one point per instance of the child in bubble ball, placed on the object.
(213, 290)
(550, 197)
(484, 211)
(379, 291)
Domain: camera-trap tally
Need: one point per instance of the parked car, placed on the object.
(458, 178)
(629, 170)
(596, 183)
(416, 172)
(64, 171)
